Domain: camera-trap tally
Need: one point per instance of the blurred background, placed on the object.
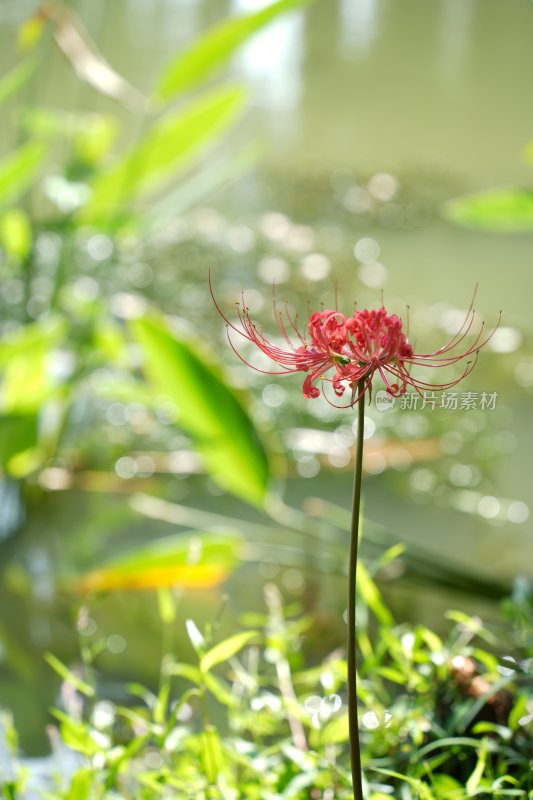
(368, 144)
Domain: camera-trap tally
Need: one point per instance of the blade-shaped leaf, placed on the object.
(216, 47)
(372, 597)
(193, 560)
(169, 145)
(208, 410)
(69, 676)
(508, 210)
(15, 78)
(226, 649)
(19, 169)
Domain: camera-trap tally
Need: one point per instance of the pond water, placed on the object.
(353, 99)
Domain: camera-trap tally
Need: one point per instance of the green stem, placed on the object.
(355, 749)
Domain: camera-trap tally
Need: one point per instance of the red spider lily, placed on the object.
(355, 348)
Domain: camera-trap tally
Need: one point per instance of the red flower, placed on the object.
(354, 348)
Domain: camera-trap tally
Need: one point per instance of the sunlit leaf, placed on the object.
(194, 561)
(337, 731)
(474, 779)
(67, 675)
(215, 47)
(15, 78)
(213, 756)
(170, 145)
(187, 671)
(507, 210)
(220, 691)
(518, 711)
(26, 382)
(196, 637)
(208, 410)
(371, 595)
(226, 649)
(392, 674)
(81, 785)
(422, 789)
(19, 169)
(15, 234)
(30, 32)
(448, 787)
(77, 735)
(91, 135)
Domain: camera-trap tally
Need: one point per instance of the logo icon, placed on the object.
(384, 401)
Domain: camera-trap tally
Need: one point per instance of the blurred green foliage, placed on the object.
(80, 176)
(441, 718)
(507, 209)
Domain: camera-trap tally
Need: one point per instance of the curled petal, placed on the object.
(338, 386)
(310, 391)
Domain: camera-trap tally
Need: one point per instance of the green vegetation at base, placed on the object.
(441, 718)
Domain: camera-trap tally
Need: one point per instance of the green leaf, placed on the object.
(518, 711)
(24, 356)
(77, 735)
(80, 787)
(447, 788)
(226, 649)
(91, 135)
(424, 792)
(474, 779)
(507, 210)
(372, 597)
(18, 432)
(493, 728)
(19, 169)
(219, 690)
(208, 410)
(193, 560)
(15, 234)
(186, 671)
(15, 78)
(170, 145)
(196, 637)
(68, 676)
(391, 674)
(337, 731)
(215, 47)
(213, 758)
